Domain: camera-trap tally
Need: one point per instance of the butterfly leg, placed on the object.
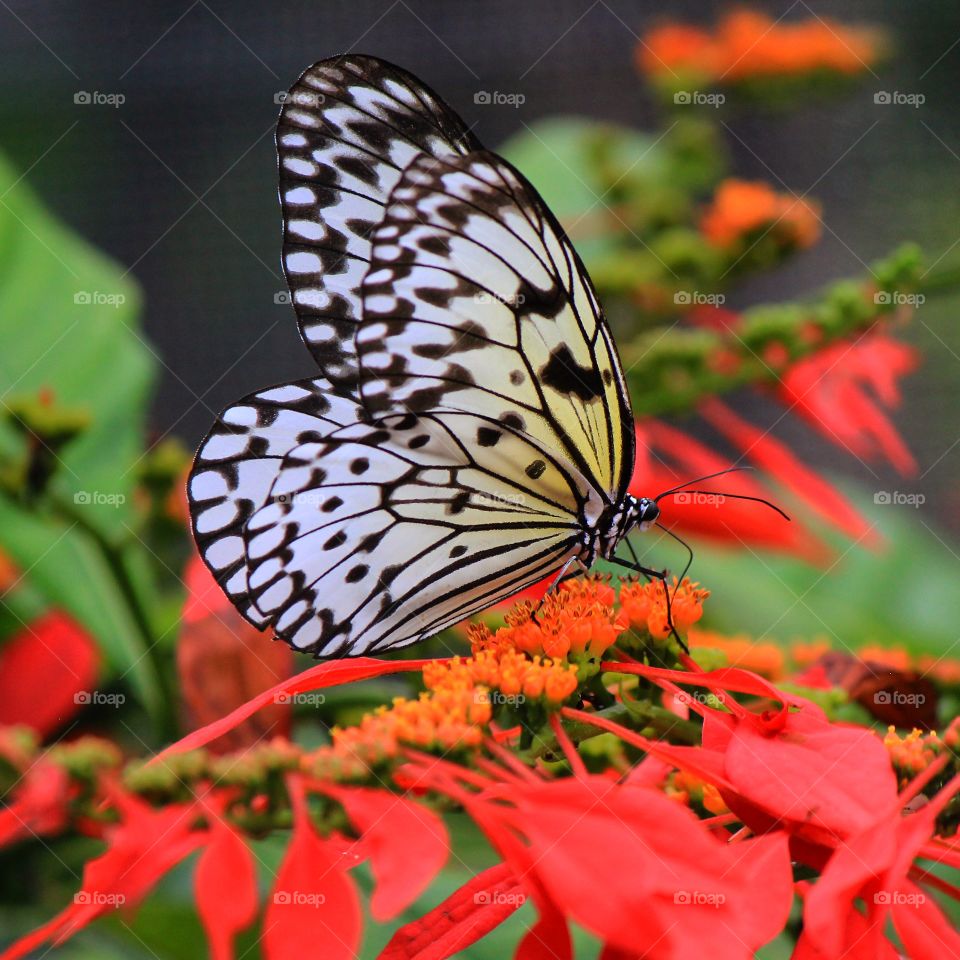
(651, 575)
(562, 575)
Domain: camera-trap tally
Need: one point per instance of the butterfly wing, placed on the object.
(347, 130)
(238, 462)
(475, 300)
(381, 535)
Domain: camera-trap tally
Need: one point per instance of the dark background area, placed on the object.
(179, 183)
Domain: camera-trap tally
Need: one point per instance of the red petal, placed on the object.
(461, 920)
(39, 803)
(547, 939)
(46, 671)
(328, 674)
(314, 909)
(225, 885)
(685, 887)
(407, 843)
(926, 933)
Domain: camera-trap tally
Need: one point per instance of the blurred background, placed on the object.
(177, 184)
(141, 292)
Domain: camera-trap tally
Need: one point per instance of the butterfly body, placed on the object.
(470, 433)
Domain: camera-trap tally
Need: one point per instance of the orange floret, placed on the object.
(741, 207)
(914, 752)
(749, 44)
(644, 605)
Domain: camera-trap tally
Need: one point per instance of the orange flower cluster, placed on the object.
(741, 207)
(916, 750)
(645, 605)
(748, 44)
(577, 621)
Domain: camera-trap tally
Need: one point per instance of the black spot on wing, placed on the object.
(563, 374)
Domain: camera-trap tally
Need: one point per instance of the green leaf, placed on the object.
(68, 324)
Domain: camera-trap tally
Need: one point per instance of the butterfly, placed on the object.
(470, 432)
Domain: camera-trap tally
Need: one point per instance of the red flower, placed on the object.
(47, 669)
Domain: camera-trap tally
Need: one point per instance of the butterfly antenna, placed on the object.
(734, 496)
(687, 483)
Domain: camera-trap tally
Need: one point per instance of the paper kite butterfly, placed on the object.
(470, 432)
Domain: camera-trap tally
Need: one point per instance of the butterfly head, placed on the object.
(645, 513)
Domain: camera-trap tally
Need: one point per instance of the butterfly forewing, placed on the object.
(347, 130)
(475, 300)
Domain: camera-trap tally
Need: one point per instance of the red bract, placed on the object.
(141, 849)
(675, 888)
(407, 845)
(314, 909)
(47, 669)
(768, 453)
(225, 885)
(222, 661)
(463, 918)
(840, 390)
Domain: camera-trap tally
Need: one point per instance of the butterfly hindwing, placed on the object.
(475, 300)
(382, 534)
(347, 130)
(238, 462)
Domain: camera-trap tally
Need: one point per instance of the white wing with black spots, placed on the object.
(238, 463)
(382, 535)
(347, 130)
(475, 300)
